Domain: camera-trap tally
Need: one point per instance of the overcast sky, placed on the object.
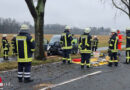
(79, 13)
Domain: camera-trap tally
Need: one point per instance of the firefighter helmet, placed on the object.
(24, 27)
(87, 30)
(128, 28)
(113, 30)
(95, 36)
(14, 35)
(4, 35)
(67, 27)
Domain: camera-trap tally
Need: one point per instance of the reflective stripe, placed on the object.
(127, 48)
(27, 73)
(20, 72)
(82, 63)
(110, 61)
(114, 50)
(110, 45)
(112, 40)
(88, 64)
(27, 76)
(32, 50)
(64, 59)
(115, 61)
(32, 40)
(69, 47)
(20, 75)
(128, 57)
(85, 51)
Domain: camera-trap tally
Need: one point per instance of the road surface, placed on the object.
(57, 76)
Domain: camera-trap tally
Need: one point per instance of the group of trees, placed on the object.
(58, 29)
(11, 25)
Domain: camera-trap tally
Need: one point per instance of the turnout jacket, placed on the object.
(113, 43)
(13, 43)
(66, 40)
(25, 46)
(95, 42)
(85, 43)
(5, 44)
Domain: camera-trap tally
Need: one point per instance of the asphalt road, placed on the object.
(70, 77)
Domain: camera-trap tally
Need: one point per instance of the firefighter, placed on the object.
(127, 46)
(13, 45)
(5, 46)
(85, 48)
(95, 43)
(113, 48)
(66, 40)
(25, 46)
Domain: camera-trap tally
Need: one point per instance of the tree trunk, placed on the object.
(39, 50)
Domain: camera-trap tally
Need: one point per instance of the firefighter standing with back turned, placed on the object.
(113, 48)
(5, 46)
(25, 47)
(13, 45)
(127, 45)
(95, 43)
(66, 40)
(85, 48)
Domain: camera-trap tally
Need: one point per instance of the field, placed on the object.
(103, 40)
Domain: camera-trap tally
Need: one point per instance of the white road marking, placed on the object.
(72, 80)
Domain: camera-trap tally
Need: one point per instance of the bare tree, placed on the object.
(37, 13)
(123, 5)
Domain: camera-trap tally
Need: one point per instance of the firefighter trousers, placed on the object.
(94, 48)
(5, 54)
(66, 55)
(113, 59)
(85, 59)
(24, 70)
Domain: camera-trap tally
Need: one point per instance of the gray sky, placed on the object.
(79, 13)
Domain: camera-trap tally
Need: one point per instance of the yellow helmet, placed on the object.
(87, 30)
(67, 27)
(24, 27)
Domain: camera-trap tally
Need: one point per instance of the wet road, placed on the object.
(70, 77)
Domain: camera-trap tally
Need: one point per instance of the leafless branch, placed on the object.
(119, 7)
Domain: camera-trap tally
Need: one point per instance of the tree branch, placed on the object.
(125, 3)
(119, 8)
(31, 7)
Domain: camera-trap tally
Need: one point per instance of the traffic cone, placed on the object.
(1, 84)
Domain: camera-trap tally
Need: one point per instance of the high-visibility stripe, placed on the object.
(20, 75)
(32, 40)
(32, 50)
(85, 51)
(27, 73)
(127, 48)
(27, 76)
(82, 63)
(20, 72)
(128, 58)
(115, 61)
(88, 64)
(110, 61)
